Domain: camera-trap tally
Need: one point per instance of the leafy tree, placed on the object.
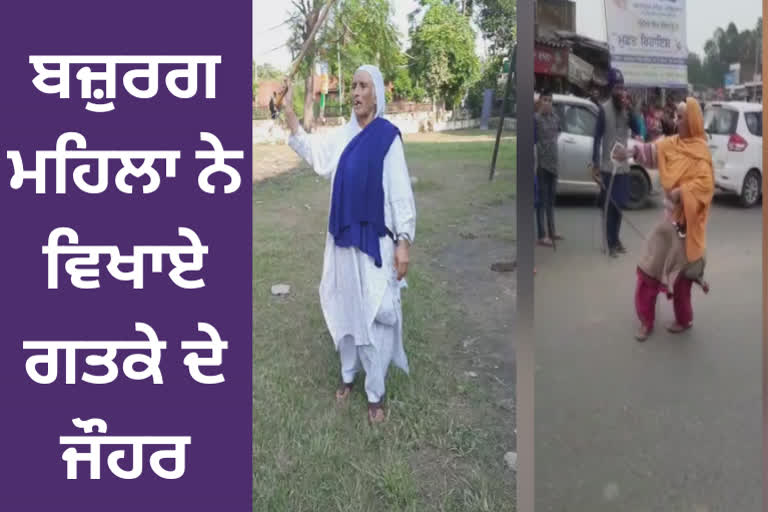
(696, 73)
(403, 85)
(357, 32)
(267, 72)
(729, 46)
(497, 20)
(465, 7)
(488, 80)
(419, 94)
(443, 51)
(303, 19)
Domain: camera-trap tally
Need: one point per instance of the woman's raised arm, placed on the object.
(319, 151)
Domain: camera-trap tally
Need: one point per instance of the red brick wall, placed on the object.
(264, 92)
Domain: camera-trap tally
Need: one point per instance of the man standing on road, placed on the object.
(615, 121)
(547, 130)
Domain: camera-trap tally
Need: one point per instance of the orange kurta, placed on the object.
(687, 163)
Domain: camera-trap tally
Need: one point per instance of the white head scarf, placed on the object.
(378, 88)
(336, 141)
(341, 138)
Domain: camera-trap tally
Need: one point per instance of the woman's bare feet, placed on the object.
(376, 413)
(343, 391)
(642, 333)
(676, 328)
(545, 242)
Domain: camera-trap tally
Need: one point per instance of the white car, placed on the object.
(578, 117)
(735, 132)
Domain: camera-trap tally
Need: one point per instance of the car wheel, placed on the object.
(750, 189)
(639, 188)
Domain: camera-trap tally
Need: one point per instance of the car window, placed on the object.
(721, 121)
(754, 123)
(559, 109)
(578, 120)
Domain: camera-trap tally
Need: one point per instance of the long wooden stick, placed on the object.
(512, 59)
(305, 48)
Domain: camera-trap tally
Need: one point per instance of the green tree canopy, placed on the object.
(728, 46)
(357, 31)
(267, 72)
(443, 51)
(497, 20)
(696, 73)
(362, 32)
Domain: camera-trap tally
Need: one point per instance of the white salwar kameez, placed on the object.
(361, 302)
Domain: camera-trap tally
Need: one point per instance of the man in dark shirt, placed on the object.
(547, 131)
(615, 121)
(272, 106)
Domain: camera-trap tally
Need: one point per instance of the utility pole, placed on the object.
(512, 57)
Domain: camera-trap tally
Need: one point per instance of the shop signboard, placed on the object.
(647, 41)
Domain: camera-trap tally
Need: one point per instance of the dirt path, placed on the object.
(271, 160)
(487, 300)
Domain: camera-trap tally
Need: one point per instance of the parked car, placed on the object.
(579, 118)
(735, 132)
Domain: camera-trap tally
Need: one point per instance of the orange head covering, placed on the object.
(686, 163)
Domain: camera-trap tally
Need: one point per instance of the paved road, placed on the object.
(671, 425)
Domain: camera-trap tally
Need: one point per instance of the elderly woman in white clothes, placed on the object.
(370, 230)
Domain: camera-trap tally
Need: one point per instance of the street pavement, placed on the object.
(672, 424)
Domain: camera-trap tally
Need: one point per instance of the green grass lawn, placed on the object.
(437, 450)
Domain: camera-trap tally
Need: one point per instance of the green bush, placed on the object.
(403, 86)
(419, 94)
(298, 98)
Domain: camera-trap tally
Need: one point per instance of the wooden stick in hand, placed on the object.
(304, 48)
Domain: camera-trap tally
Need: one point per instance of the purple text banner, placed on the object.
(125, 199)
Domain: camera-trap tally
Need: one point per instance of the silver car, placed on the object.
(578, 118)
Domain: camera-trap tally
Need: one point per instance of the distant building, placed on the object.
(553, 15)
(264, 92)
(565, 61)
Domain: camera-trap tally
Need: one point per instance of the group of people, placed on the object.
(673, 142)
(657, 120)
(616, 122)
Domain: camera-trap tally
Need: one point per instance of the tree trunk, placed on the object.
(309, 99)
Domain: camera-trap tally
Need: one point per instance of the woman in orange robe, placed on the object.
(675, 252)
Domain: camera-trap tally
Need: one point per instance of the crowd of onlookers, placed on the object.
(656, 117)
(622, 115)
